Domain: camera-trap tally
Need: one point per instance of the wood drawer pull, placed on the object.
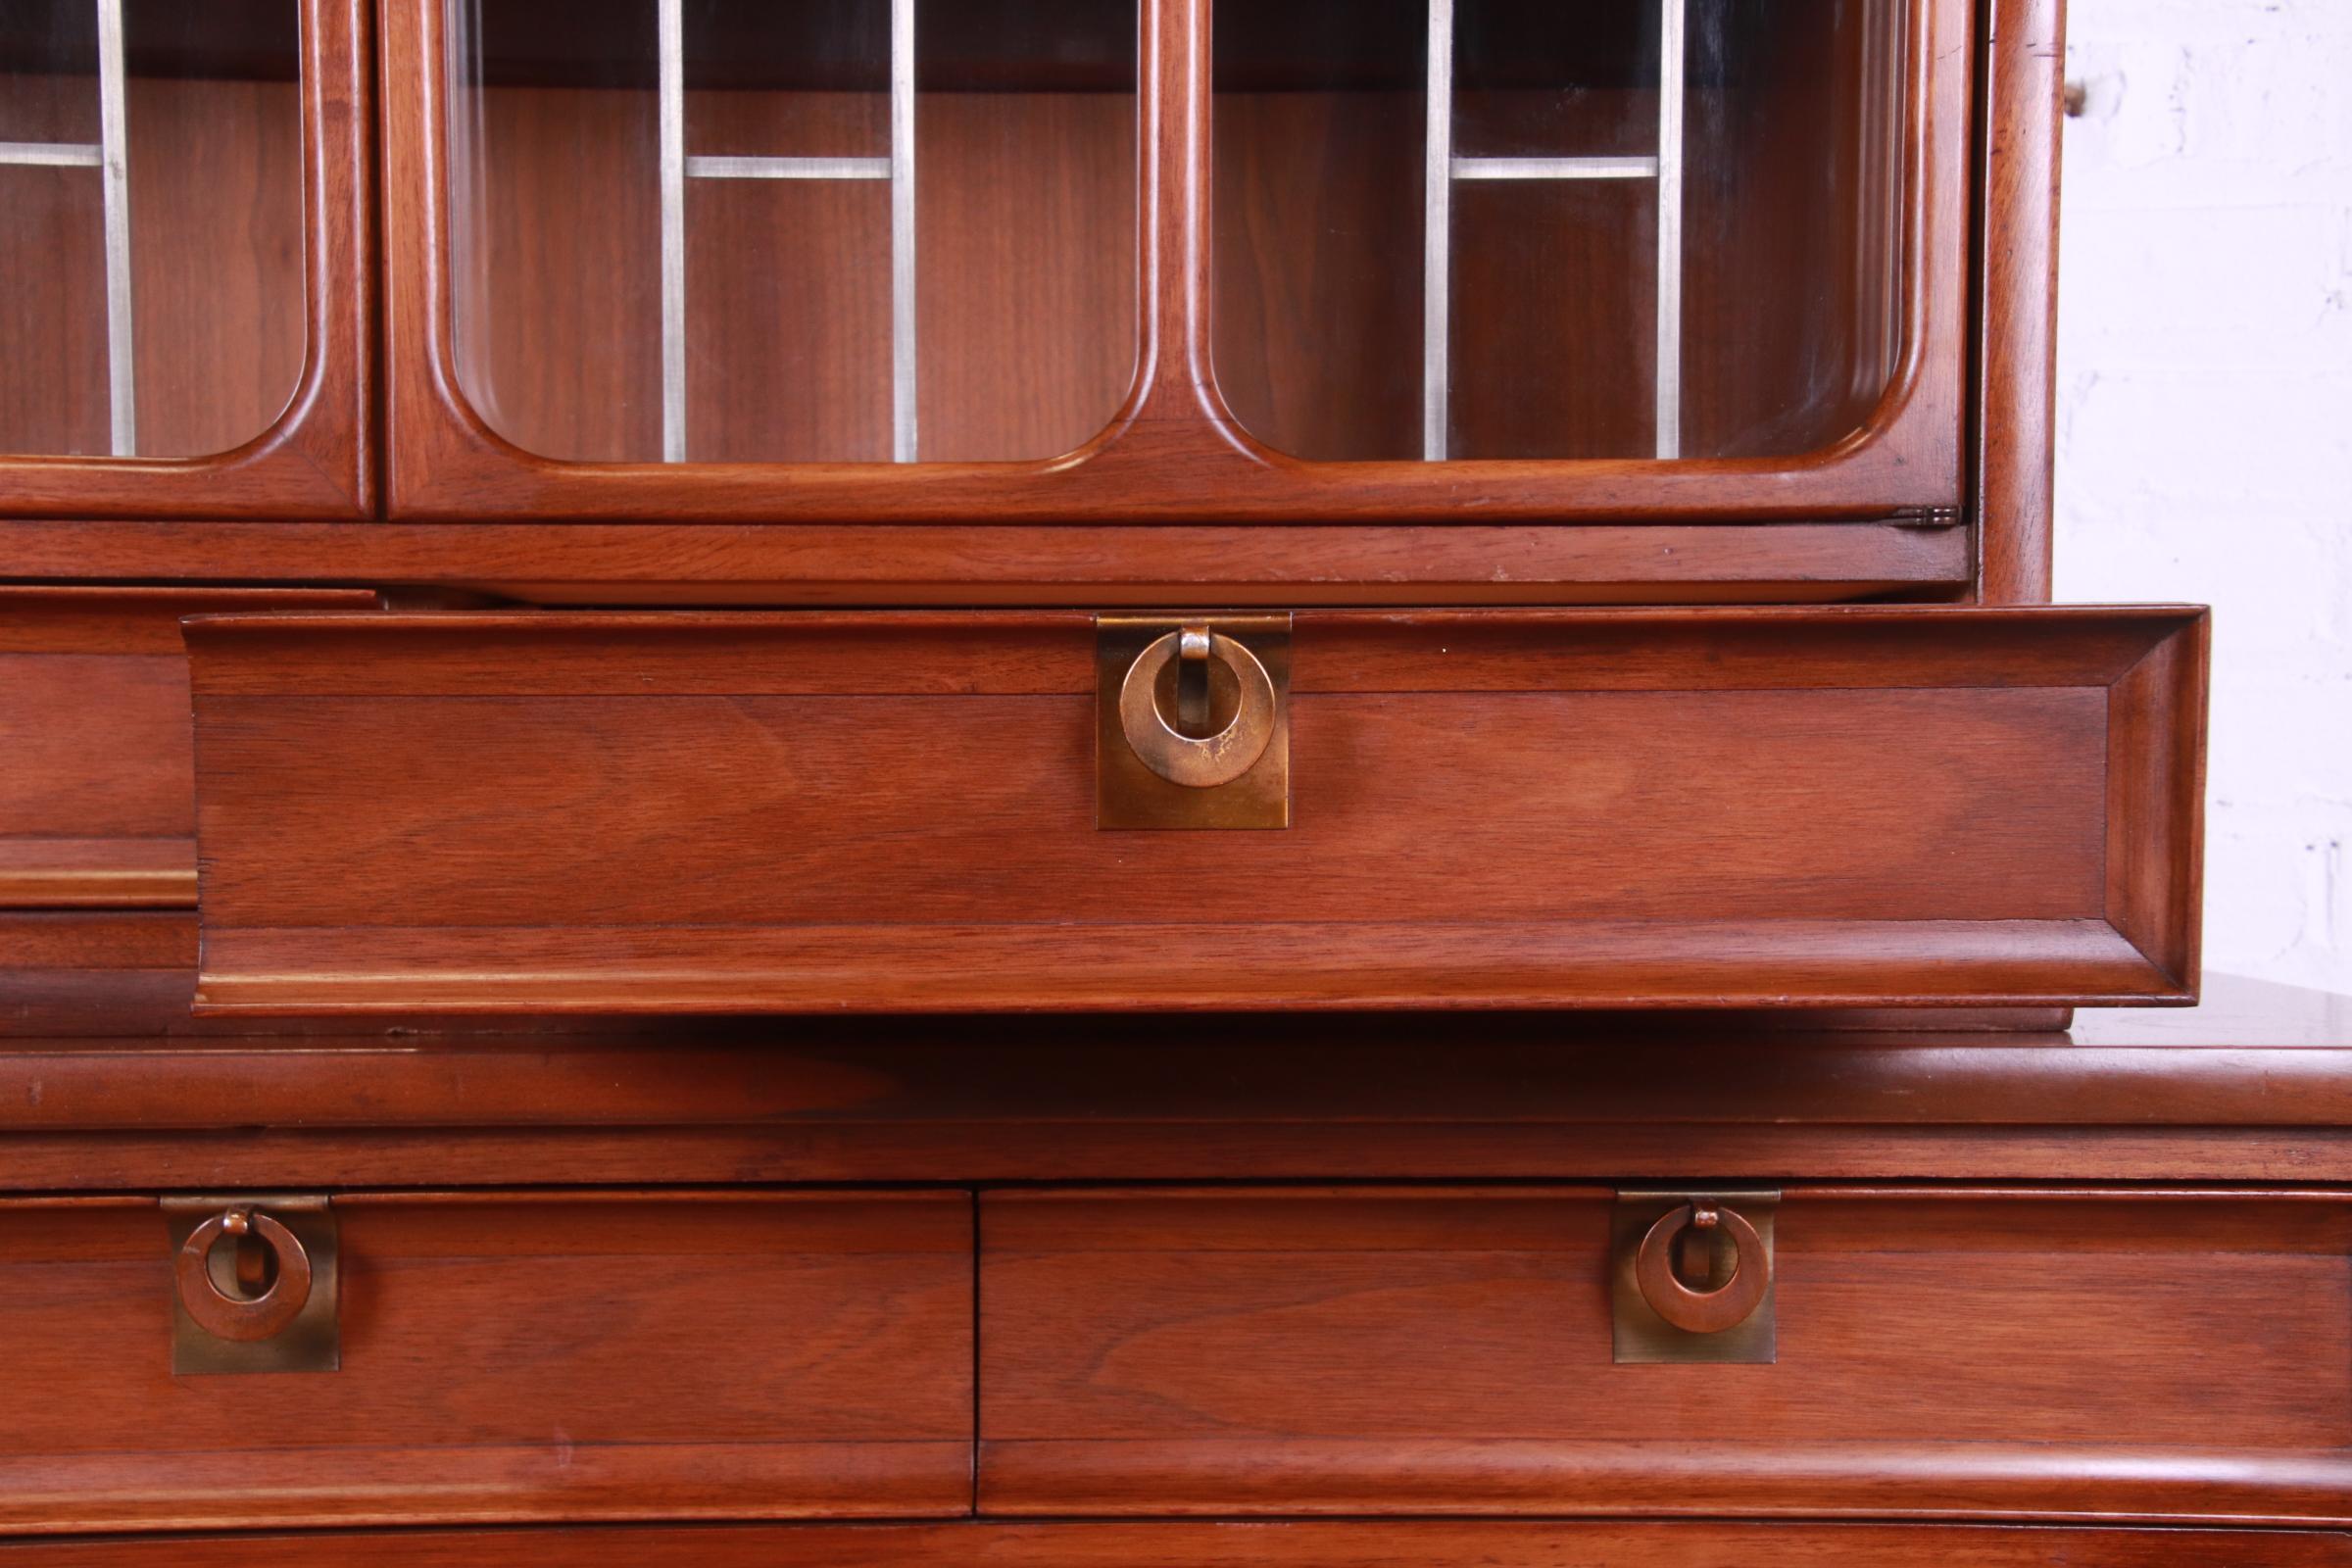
(1180, 758)
(1726, 1306)
(243, 1318)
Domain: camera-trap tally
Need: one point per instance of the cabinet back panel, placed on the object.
(1025, 251)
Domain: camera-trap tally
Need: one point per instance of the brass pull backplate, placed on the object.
(1690, 1276)
(254, 1284)
(1193, 723)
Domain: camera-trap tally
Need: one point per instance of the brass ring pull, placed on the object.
(1702, 1311)
(1215, 759)
(237, 1317)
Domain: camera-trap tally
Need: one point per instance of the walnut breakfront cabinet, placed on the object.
(1087, 782)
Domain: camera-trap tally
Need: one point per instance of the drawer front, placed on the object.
(1401, 1545)
(891, 812)
(1997, 1353)
(508, 1357)
(97, 790)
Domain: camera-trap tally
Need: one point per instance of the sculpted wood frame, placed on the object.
(318, 457)
(1174, 452)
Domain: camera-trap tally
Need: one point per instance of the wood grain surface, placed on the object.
(1107, 565)
(510, 1357)
(2254, 1085)
(98, 789)
(2016, 1353)
(1394, 1543)
(739, 812)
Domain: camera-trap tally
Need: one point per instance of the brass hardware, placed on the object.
(1193, 721)
(254, 1284)
(1673, 1307)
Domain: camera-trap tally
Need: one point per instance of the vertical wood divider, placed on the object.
(2024, 73)
(1176, 383)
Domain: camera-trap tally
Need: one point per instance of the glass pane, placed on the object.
(159, 312)
(1505, 278)
(884, 229)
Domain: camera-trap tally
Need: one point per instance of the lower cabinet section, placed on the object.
(1661, 1365)
(2006, 1353)
(1400, 1545)
(499, 1358)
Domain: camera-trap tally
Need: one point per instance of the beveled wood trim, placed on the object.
(112, 619)
(1099, 566)
(2156, 762)
(1323, 1543)
(2021, 1482)
(317, 459)
(1173, 455)
(2017, 328)
(112, 873)
(262, 972)
(1077, 1149)
(82, 1494)
(954, 1078)
(1051, 652)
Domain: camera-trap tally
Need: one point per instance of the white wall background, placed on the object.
(2205, 418)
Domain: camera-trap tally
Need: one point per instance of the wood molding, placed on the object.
(2016, 337)
(1335, 1544)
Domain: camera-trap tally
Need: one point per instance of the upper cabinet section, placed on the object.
(696, 232)
(183, 205)
(1041, 261)
(1519, 229)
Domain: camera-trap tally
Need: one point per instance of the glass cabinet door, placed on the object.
(862, 232)
(151, 298)
(1529, 230)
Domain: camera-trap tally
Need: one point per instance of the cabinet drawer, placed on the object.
(1351, 1545)
(721, 812)
(1978, 1353)
(97, 786)
(508, 1357)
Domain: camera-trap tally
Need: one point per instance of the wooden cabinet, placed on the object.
(1519, 530)
(187, 321)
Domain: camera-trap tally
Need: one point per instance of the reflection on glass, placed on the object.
(1517, 228)
(847, 230)
(151, 224)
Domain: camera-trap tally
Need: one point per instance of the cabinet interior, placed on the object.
(1545, 208)
(871, 230)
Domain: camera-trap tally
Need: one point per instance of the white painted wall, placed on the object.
(2205, 418)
